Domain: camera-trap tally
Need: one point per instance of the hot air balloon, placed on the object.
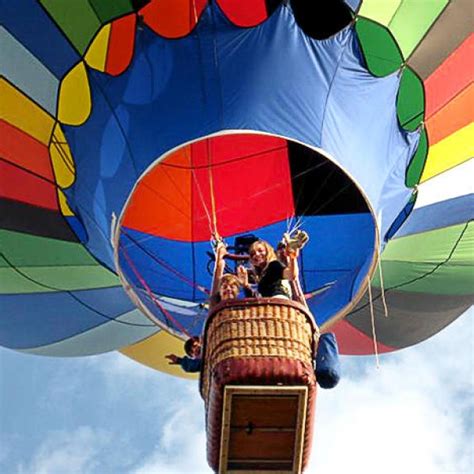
(132, 131)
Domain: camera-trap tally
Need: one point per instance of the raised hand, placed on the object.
(173, 358)
(243, 276)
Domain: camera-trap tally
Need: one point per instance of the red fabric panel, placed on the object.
(19, 185)
(454, 74)
(218, 150)
(121, 45)
(20, 148)
(244, 12)
(351, 341)
(172, 18)
(252, 188)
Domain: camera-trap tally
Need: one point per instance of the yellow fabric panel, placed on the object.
(61, 158)
(152, 351)
(63, 205)
(75, 96)
(24, 114)
(380, 11)
(452, 151)
(96, 55)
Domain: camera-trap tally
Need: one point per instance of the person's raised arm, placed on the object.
(219, 266)
(291, 272)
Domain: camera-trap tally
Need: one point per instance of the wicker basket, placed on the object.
(258, 345)
(269, 327)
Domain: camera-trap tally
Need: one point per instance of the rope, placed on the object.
(382, 288)
(198, 187)
(372, 320)
(166, 314)
(211, 191)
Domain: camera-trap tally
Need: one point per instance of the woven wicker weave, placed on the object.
(262, 329)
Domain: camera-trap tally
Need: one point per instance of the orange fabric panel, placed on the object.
(20, 185)
(179, 158)
(172, 18)
(121, 45)
(20, 148)
(161, 204)
(454, 75)
(455, 115)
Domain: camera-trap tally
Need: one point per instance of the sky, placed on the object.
(109, 415)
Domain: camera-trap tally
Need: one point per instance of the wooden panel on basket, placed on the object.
(263, 429)
(272, 445)
(264, 411)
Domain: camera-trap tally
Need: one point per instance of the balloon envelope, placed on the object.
(127, 143)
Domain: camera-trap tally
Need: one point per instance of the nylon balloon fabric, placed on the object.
(132, 131)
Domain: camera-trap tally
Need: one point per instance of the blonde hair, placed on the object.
(230, 278)
(271, 255)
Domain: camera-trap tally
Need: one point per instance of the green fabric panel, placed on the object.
(415, 168)
(56, 263)
(381, 11)
(447, 280)
(410, 258)
(410, 100)
(107, 10)
(59, 278)
(380, 50)
(76, 18)
(433, 246)
(412, 20)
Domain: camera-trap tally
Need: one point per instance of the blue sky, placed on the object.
(109, 415)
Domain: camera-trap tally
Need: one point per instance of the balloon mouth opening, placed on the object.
(241, 185)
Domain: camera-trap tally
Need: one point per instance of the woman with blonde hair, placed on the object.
(270, 274)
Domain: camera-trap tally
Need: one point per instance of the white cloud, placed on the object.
(63, 452)
(182, 441)
(408, 416)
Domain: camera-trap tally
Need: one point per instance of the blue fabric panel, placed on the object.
(43, 318)
(354, 4)
(29, 23)
(360, 276)
(106, 173)
(104, 338)
(441, 214)
(400, 220)
(192, 319)
(377, 153)
(279, 75)
(328, 303)
(340, 246)
(270, 78)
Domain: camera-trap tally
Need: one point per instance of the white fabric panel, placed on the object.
(456, 182)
